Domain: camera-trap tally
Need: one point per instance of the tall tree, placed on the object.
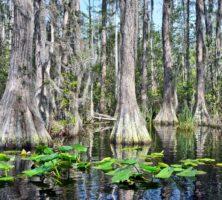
(201, 113)
(152, 56)
(187, 43)
(208, 14)
(20, 120)
(218, 49)
(167, 114)
(130, 127)
(145, 56)
(41, 61)
(103, 55)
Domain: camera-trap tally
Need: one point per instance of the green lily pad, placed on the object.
(4, 157)
(219, 164)
(206, 160)
(149, 169)
(67, 156)
(39, 170)
(65, 148)
(80, 148)
(190, 172)
(48, 151)
(5, 166)
(7, 179)
(165, 173)
(121, 176)
(128, 162)
(162, 165)
(44, 158)
(105, 166)
(83, 165)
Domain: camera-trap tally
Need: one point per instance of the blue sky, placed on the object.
(157, 15)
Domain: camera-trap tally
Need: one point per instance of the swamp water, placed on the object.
(94, 184)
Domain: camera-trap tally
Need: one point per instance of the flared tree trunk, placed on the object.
(201, 113)
(20, 120)
(167, 114)
(130, 127)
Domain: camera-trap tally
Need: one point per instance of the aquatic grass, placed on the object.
(186, 120)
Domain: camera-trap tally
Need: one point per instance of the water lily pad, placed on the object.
(4, 157)
(105, 166)
(65, 148)
(190, 172)
(165, 173)
(162, 165)
(219, 164)
(206, 160)
(128, 162)
(67, 156)
(44, 158)
(39, 170)
(80, 148)
(7, 179)
(5, 166)
(149, 169)
(121, 176)
(48, 151)
(83, 165)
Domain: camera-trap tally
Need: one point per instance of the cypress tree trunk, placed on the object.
(201, 113)
(152, 56)
(103, 56)
(218, 50)
(187, 43)
(20, 120)
(145, 58)
(41, 62)
(130, 127)
(167, 114)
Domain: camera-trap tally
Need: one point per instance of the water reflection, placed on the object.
(167, 135)
(94, 184)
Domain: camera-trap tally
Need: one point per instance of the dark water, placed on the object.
(95, 184)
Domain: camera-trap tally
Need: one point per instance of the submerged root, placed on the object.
(130, 129)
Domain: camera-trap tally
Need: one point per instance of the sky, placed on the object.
(157, 14)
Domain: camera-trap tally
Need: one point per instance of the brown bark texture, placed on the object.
(20, 120)
(201, 114)
(130, 127)
(167, 114)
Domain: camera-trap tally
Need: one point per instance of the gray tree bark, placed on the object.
(41, 62)
(103, 56)
(201, 114)
(152, 56)
(218, 50)
(20, 120)
(167, 114)
(130, 127)
(146, 30)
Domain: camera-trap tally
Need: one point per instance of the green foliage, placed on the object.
(186, 120)
(4, 157)
(4, 64)
(55, 162)
(165, 173)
